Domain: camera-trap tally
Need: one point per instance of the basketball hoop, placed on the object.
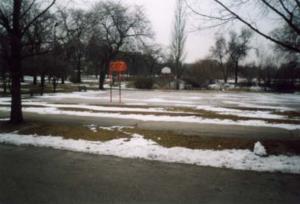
(118, 67)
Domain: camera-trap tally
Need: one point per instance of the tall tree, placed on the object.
(117, 25)
(220, 52)
(74, 26)
(15, 19)
(238, 47)
(178, 39)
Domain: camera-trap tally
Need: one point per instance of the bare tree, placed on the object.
(178, 39)
(238, 47)
(152, 57)
(220, 52)
(75, 25)
(14, 19)
(286, 11)
(117, 25)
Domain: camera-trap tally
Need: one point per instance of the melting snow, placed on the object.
(163, 118)
(138, 147)
(259, 149)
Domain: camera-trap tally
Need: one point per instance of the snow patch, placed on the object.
(162, 118)
(93, 128)
(241, 113)
(138, 147)
(260, 150)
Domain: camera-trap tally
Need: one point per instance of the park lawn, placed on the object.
(166, 139)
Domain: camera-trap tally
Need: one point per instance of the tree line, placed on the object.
(45, 41)
(40, 40)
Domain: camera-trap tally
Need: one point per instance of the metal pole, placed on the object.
(120, 100)
(111, 88)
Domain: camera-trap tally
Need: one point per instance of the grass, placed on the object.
(289, 114)
(69, 131)
(184, 112)
(173, 139)
(215, 115)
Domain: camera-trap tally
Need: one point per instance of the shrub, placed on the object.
(143, 83)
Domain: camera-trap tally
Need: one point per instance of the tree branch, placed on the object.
(288, 46)
(5, 21)
(37, 17)
(288, 21)
(224, 18)
(28, 9)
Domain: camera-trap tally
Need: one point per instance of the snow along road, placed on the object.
(138, 147)
(39, 175)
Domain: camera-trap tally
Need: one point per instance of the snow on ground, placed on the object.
(93, 128)
(259, 149)
(138, 147)
(160, 118)
(189, 98)
(98, 108)
(242, 113)
(5, 101)
(267, 104)
(119, 128)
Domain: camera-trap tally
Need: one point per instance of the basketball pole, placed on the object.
(120, 89)
(111, 83)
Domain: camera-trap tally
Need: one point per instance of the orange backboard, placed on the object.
(118, 67)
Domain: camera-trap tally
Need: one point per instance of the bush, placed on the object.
(283, 86)
(143, 83)
(73, 78)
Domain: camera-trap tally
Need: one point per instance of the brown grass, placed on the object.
(214, 115)
(67, 131)
(164, 138)
(172, 139)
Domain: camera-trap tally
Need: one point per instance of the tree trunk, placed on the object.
(54, 84)
(34, 79)
(63, 79)
(225, 72)
(236, 72)
(4, 83)
(78, 77)
(177, 74)
(102, 74)
(16, 115)
(42, 83)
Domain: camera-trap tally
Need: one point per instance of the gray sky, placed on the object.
(161, 15)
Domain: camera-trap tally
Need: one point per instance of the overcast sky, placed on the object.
(161, 15)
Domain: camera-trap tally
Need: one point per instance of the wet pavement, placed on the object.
(41, 175)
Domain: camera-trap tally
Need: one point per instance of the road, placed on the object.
(39, 175)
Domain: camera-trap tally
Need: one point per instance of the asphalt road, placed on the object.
(39, 175)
